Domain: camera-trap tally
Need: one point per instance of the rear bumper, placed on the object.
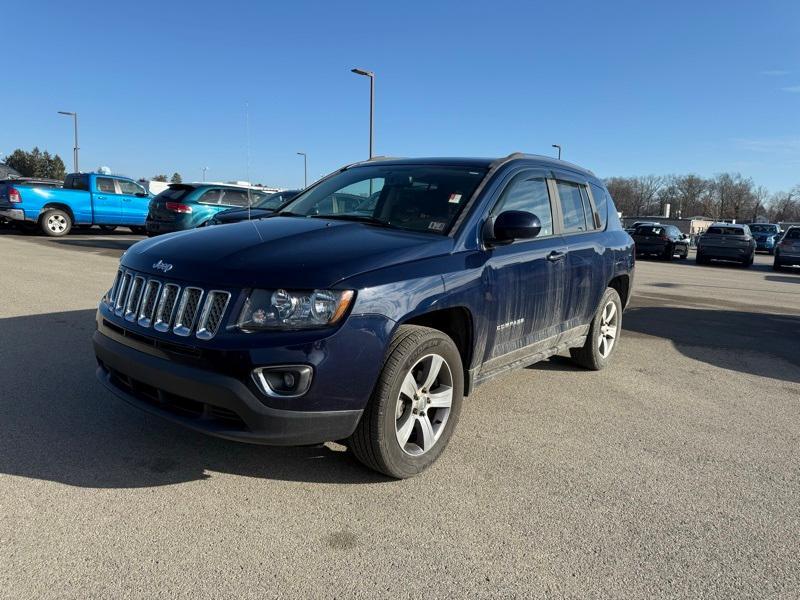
(723, 252)
(209, 402)
(12, 214)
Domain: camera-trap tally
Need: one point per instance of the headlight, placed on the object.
(288, 309)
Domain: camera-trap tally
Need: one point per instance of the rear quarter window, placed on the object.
(602, 203)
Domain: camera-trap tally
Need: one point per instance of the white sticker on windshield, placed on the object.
(436, 225)
(454, 198)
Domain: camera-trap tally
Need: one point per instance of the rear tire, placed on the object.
(700, 259)
(604, 333)
(138, 230)
(55, 222)
(417, 399)
(776, 266)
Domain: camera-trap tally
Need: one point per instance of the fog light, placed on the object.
(285, 381)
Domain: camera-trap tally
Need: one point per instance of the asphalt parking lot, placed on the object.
(674, 473)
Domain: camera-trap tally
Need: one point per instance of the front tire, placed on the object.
(604, 332)
(55, 222)
(415, 405)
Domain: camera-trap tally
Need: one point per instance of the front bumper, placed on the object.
(211, 402)
(765, 244)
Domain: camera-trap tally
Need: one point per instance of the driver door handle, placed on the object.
(556, 255)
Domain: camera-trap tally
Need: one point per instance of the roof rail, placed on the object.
(519, 155)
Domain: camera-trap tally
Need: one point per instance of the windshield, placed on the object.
(274, 201)
(415, 197)
(792, 234)
(764, 228)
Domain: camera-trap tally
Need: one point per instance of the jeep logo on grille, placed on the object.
(162, 266)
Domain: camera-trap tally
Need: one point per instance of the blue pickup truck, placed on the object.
(85, 199)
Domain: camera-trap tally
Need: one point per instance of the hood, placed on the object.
(291, 252)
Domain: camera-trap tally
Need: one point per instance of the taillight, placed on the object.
(177, 207)
(13, 195)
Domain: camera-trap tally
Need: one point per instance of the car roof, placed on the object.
(479, 163)
(724, 224)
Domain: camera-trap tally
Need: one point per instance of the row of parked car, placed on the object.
(54, 207)
(721, 241)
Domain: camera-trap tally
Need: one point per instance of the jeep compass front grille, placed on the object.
(166, 306)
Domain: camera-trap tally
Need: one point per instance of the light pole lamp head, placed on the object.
(64, 112)
(362, 72)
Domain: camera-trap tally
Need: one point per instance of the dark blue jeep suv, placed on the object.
(369, 306)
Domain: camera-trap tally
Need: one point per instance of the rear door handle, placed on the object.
(556, 255)
(100, 197)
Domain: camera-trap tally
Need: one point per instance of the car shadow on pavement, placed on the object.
(58, 423)
(98, 244)
(757, 343)
(783, 278)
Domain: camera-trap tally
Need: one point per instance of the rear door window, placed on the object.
(211, 196)
(234, 198)
(572, 206)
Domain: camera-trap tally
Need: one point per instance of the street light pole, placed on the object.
(75, 149)
(559, 150)
(204, 173)
(305, 169)
(371, 76)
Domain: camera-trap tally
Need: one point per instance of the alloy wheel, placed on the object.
(608, 329)
(423, 404)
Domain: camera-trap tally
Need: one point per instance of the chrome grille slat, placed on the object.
(151, 302)
(122, 293)
(134, 297)
(166, 307)
(112, 296)
(186, 315)
(211, 316)
(148, 305)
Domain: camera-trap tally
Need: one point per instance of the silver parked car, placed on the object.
(726, 241)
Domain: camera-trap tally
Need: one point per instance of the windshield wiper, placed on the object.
(357, 218)
(288, 213)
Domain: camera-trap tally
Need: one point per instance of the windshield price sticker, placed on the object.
(454, 198)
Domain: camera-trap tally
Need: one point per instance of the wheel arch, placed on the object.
(458, 324)
(622, 284)
(59, 206)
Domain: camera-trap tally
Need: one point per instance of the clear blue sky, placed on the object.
(626, 87)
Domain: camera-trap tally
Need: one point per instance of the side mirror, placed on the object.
(515, 225)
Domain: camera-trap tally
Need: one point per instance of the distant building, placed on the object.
(7, 172)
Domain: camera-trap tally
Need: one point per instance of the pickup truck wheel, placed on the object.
(107, 227)
(604, 332)
(415, 405)
(55, 222)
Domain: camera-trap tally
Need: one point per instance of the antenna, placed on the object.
(247, 143)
